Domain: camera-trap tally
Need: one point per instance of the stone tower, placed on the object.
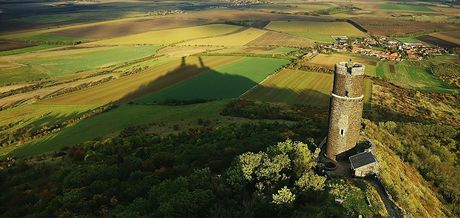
(346, 108)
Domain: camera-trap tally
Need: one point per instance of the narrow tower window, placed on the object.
(341, 132)
(346, 93)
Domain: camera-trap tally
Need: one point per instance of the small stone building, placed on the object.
(364, 164)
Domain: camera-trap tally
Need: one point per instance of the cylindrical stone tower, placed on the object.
(346, 108)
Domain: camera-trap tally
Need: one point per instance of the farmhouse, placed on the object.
(363, 164)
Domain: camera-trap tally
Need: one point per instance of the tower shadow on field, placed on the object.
(181, 73)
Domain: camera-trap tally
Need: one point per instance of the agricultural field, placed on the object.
(155, 78)
(452, 37)
(44, 65)
(437, 41)
(328, 61)
(409, 74)
(318, 31)
(120, 118)
(134, 108)
(254, 50)
(298, 87)
(226, 81)
(294, 87)
(401, 27)
(408, 40)
(170, 36)
(33, 96)
(27, 49)
(272, 38)
(404, 7)
(236, 39)
(36, 116)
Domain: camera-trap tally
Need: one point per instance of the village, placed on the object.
(385, 48)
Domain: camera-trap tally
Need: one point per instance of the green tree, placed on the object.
(283, 197)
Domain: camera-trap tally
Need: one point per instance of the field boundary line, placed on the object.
(260, 83)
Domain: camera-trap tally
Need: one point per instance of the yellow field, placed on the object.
(328, 61)
(298, 87)
(271, 38)
(33, 96)
(294, 87)
(236, 39)
(165, 37)
(180, 51)
(129, 87)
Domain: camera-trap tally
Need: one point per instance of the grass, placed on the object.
(226, 81)
(406, 186)
(284, 50)
(236, 39)
(318, 31)
(405, 7)
(298, 87)
(409, 74)
(26, 50)
(58, 63)
(408, 40)
(120, 118)
(165, 37)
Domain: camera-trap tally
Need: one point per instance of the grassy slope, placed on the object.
(319, 31)
(163, 37)
(57, 63)
(236, 39)
(409, 75)
(120, 118)
(226, 81)
(403, 182)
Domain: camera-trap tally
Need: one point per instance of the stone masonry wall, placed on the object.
(346, 108)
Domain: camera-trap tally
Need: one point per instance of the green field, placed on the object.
(36, 116)
(226, 81)
(284, 50)
(58, 63)
(164, 37)
(318, 31)
(120, 118)
(408, 74)
(26, 50)
(162, 74)
(404, 7)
